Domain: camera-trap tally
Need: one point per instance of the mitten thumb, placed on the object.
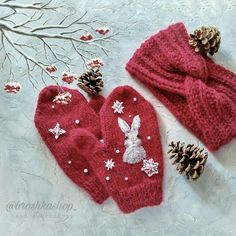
(89, 148)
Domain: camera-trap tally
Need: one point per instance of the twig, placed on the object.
(59, 26)
(29, 21)
(29, 58)
(34, 6)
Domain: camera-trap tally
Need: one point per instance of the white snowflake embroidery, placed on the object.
(150, 167)
(117, 107)
(57, 131)
(109, 164)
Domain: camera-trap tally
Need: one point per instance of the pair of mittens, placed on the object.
(125, 159)
(129, 162)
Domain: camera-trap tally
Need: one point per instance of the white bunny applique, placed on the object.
(134, 152)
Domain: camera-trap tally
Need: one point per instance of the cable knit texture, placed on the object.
(129, 186)
(200, 93)
(68, 158)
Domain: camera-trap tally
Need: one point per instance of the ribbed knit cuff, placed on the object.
(138, 196)
(96, 190)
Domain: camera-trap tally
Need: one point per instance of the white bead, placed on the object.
(69, 162)
(77, 122)
(107, 178)
(53, 107)
(135, 99)
(148, 137)
(101, 141)
(126, 178)
(85, 170)
(129, 115)
(117, 151)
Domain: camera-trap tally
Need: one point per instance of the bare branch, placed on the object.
(47, 35)
(59, 26)
(9, 15)
(7, 57)
(31, 19)
(55, 54)
(72, 31)
(105, 50)
(37, 35)
(54, 36)
(66, 17)
(25, 45)
(79, 53)
(8, 1)
(34, 6)
(28, 58)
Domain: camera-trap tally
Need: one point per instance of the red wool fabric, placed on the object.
(68, 158)
(200, 93)
(128, 185)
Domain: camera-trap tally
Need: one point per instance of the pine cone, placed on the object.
(91, 81)
(190, 160)
(205, 40)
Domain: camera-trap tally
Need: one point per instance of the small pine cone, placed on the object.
(91, 82)
(190, 159)
(205, 40)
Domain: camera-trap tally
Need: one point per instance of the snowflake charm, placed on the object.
(109, 164)
(117, 107)
(57, 131)
(150, 167)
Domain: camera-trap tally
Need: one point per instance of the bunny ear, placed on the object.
(123, 125)
(136, 123)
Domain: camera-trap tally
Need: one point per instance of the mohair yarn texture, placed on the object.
(200, 93)
(109, 147)
(127, 183)
(47, 115)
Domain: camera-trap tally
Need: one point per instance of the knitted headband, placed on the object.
(200, 93)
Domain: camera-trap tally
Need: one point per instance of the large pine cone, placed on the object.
(205, 40)
(190, 160)
(91, 82)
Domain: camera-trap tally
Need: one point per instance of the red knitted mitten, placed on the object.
(129, 163)
(55, 123)
(96, 103)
